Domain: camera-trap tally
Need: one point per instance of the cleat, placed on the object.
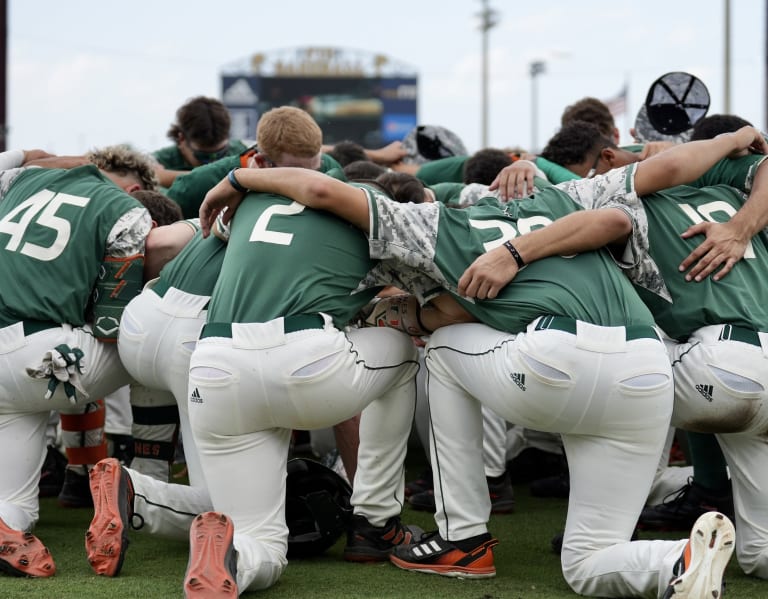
(212, 567)
(699, 571)
(421, 484)
(75, 492)
(368, 543)
(107, 537)
(434, 555)
(533, 463)
(501, 493)
(23, 554)
(52, 473)
(681, 509)
(552, 486)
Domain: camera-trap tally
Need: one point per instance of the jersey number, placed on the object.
(261, 230)
(524, 225)
(704, 212)
(40, 209)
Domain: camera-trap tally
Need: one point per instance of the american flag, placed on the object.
(618, 103)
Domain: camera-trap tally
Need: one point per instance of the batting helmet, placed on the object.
(317, 507)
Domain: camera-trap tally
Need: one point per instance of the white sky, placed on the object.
(87, 73)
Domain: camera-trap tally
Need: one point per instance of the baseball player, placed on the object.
(73, 242)
(283, 360)
(719, 362)
(158, 332)
(582, 359)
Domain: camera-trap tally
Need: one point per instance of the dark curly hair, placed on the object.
(164, 210)
(591, 110)
(715, 124)
(402, 187)
(575, 142)
(484, 165)
(205, 121)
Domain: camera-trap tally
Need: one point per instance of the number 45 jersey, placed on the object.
(56, 228)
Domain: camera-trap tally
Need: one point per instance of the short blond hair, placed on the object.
(288, 130)
(125, 162)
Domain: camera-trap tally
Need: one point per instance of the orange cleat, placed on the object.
(23, 554)
(212, 566)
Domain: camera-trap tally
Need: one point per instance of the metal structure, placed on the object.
(537, 67)
(353, 95)
(488, 20)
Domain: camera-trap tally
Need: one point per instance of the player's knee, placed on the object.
(753, 559)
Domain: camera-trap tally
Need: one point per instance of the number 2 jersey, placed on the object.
(285, 259)
(56, 228)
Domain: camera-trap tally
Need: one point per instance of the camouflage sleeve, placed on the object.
(11, 159)
(129, 233)
(7, 177)
(616, 189)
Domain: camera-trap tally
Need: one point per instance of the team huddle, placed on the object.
(606, 307)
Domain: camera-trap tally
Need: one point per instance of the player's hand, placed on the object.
(723, 247)
(221, 196)
(514, 181)
(748, 138)
(488, 274)
(391, 153)
(36, 154)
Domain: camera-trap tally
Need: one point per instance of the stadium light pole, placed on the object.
(727, 57)
(488, 20)
(537, 67)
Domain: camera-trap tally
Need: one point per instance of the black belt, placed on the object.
(568, 325)
(732, 333)
(291, 324)
(31, 326)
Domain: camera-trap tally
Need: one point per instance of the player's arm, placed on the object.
(403, 312)
(574, 233)
(686, 162)
(308, 187)
(163, 244)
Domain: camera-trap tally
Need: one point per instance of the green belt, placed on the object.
(291, 324)
(732, 333)
(31, 326)
(563, 323)
(161, 287)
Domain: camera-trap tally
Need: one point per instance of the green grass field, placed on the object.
(154, 568)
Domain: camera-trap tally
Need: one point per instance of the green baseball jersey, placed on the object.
(740, 298)
(448, 193)
(171, 158)
(736, 172)
(554, 172)
(196, 267)
(54, 228)
(189, 190)
(443, 170)
(442, 242)
(284, 259)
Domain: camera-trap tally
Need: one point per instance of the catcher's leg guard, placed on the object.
(82, 435)
(155, 431)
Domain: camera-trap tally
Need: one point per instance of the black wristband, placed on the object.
(515, 254)
(234, 182)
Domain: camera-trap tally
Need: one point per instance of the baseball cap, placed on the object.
(676, 101)
(425, 143)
